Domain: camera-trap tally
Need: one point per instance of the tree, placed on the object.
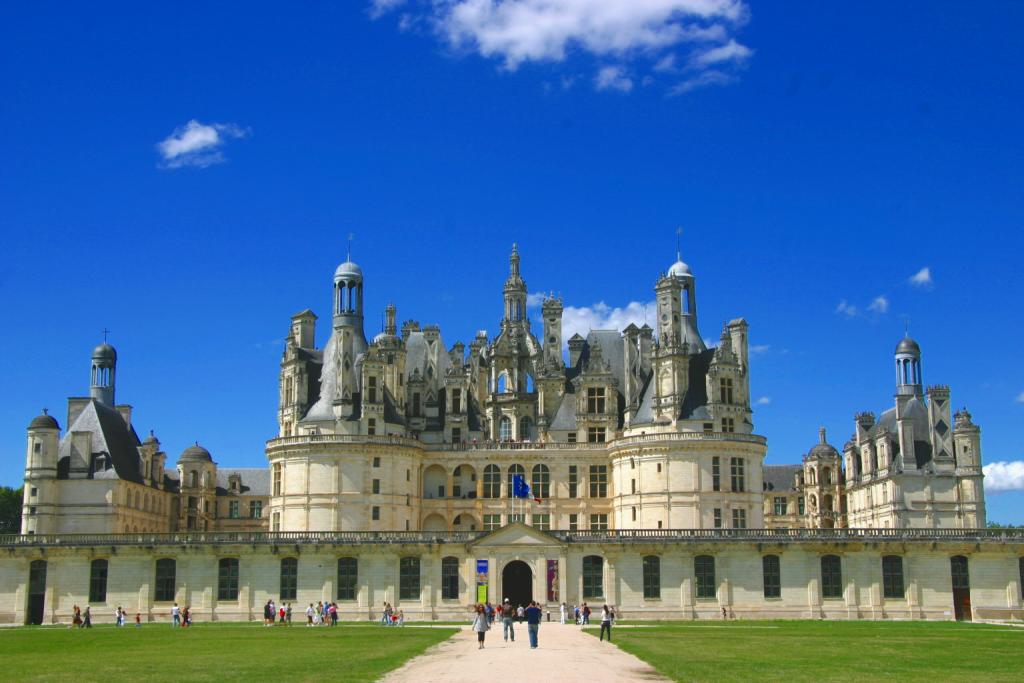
(10, 510)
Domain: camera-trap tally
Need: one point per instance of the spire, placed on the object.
(513, 261)
(348, 256)
(389, 316)
(821, 435)
(679, 251)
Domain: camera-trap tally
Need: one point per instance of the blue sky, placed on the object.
(818, 155)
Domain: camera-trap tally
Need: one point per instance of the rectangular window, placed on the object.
(704, 572)
(376, 485)
(165, 584)
(456, 435)
(599, 522)
(416, 404)
(348, 578)
(521, 518)
(831, 577)
(371, 389)
(375, 513)
(574, 481)
(595, 434)
(277, 479)
(541, 522)
(33, 492)
(716, 474)
(574, 522)
(233, 509)
(725, 390)
(892, 577)
(652, 577)
(728, 425)
(409, 578)
(800, 505)
(492, 522)
(632, 485)
(737, 475)
(771, 575)
(593, 576)
(709, 427)
(634, 514)
(571, 437)
(376, 461)
(599, 481)
(595, 400)
(371, 428)
(780, 505)
(289, 577)
(275, 521)
(739, 519)
(98, 581)
(450, 578)
(255, 509)
(227, 578)
(718, 518)
(456, 400)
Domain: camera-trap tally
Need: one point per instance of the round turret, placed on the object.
(43, 421)
(679, 269)
(348, 271)
(104, 352)
(195, 453)
(908, 346)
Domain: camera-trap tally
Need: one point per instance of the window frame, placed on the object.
(831, 577)
(704, 583)
(598, 483)
(771, 577)
(449, 578)
(409, 584)
(893, 585)
(288, 583)
(227, 578)
(652, 577)
(592, 573)
(165, 580)
(99, 573)
(348, 579)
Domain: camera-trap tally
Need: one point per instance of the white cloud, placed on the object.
(922, 278)
(1020, 397)
(581, 319)
(847, 309)
(197, 144)
(880, 304)
(613, 78)
(666, 63)
(758, 349)
(521, 31)
(764, 400)
(535, 300)
(1004, 476)
(703, 80)
(730, 52)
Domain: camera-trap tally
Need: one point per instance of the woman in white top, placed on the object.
(562, 613)
(606, 622)
(480, 624)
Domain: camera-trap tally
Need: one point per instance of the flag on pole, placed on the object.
(520, 489)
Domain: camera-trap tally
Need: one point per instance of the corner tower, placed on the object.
(104, 369)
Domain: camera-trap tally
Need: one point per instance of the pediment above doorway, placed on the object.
(516, 534)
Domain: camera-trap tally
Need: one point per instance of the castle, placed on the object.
(634, 436)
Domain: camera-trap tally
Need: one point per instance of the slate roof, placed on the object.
(780, 477)
(111, 436)
(255, 480)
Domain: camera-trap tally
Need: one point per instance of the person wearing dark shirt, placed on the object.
(533, 623)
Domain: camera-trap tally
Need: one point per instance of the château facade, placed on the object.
(390, 478)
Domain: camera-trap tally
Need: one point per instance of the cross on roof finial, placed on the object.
(105, 333)
(679, 236)
(351, 236)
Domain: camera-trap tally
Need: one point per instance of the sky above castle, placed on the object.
(187, 177)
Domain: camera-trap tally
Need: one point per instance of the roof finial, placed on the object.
(679, 236)
(821, 434)
(44, 412)
(351, 236)
(105, 333)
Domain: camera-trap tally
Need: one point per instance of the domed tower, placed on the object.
(823, 486)
(348, 340)
(104, 368)
(40, 475)
(908, 368)
(515, 291)
(197, 474)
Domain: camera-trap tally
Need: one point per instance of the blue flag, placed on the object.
(520, 489)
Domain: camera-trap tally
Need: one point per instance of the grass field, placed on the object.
(211, 652)
(828, 650)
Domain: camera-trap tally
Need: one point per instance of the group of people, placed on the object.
(277, 614)
(389, 617)
(484, 616)
(181, 616)
(322, 614)
(120, 614)
(81, 619)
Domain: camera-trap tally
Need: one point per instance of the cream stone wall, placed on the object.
(994, 561)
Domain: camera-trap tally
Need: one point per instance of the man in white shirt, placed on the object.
(175, 615)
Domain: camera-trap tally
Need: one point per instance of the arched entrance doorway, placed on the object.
(517, 583)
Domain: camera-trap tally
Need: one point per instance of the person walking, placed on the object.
(480, 624)
(508, 621)
(138, 620)
(606, 622)
(288, 613)
(561, 613)
(76, 621)
(533, 614)
(87, 617)
(175, 616)
(586, 614)
(309, 615)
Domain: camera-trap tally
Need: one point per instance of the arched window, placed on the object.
(892, 577)
(826, 475)
(526, 429)
(492, 482)
(771, 576)
(541, 482)
(409, 578)
(348, 578)
(165, 583)
(513, 471)
(289, 578)
(227, 578)
(593, 577)
(193, 479)
(505, 428)
(98, 581)
(206, 480)
(450, 578)
(831, 577)
(502, 383)
(652, 577)
(529, 384)
(704, 572)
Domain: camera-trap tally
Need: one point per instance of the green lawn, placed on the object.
(828, 650)
(211, 652)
